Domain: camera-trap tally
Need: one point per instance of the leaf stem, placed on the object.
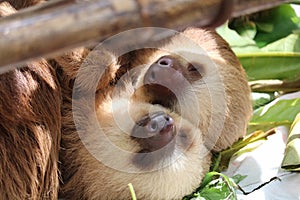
(132, 192)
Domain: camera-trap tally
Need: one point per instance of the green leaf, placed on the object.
(291, 43)
(262, 66)
(247, 29)
(291, 160)
(249, 147)
(261, 99)
(238, 43)
(238, 178)
(275, 24)
(282, 112)
(252, 127)
(265, 27)
(278, 60)
(216, 186)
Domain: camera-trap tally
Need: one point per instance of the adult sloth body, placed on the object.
(149, 117)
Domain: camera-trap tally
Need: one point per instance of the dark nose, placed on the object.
(155, 131)
(166, 73)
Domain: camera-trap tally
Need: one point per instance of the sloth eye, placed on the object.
(192, 68)
(195, 67)
(195, 71)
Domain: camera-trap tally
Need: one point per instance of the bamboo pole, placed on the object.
(48, 29)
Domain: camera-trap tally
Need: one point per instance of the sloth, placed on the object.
(150, 117)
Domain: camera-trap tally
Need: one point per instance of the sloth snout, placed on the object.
(166, 73)
(155, 131)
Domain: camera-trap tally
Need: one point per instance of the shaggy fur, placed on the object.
(67, 104)
(92, 155)
(20, 4)
(30, 133)
(30, 122)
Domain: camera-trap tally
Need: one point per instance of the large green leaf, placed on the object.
(278, 60)
(271, 65)
(282, 112)
(261, 99)
(290, 43)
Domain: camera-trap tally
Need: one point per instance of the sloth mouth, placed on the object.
(160, 95)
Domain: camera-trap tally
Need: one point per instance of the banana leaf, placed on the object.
(291, 160)
(278, 60)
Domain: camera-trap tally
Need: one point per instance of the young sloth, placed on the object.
(154, 118)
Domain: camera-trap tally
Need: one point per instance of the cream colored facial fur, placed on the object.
(213, 110)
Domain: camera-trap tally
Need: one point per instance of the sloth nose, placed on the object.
(165, 62)
(166, 73)
(158, 122)
(160, 72)
(155, 131)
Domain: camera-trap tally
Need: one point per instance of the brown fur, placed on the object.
(30, 129)
(82, 157)
(20, 4)
(30, 133)
(93, 162)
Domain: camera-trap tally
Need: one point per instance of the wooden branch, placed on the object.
(275, 85)
(50, 28)
(245, 7)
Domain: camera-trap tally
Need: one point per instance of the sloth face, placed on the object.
(159, 112)
(140, 137)
(154, 135)
(160, 85)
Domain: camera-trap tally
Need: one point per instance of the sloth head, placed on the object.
(156, 115)
(139, 133)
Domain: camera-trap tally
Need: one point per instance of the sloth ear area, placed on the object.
(96, 71)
